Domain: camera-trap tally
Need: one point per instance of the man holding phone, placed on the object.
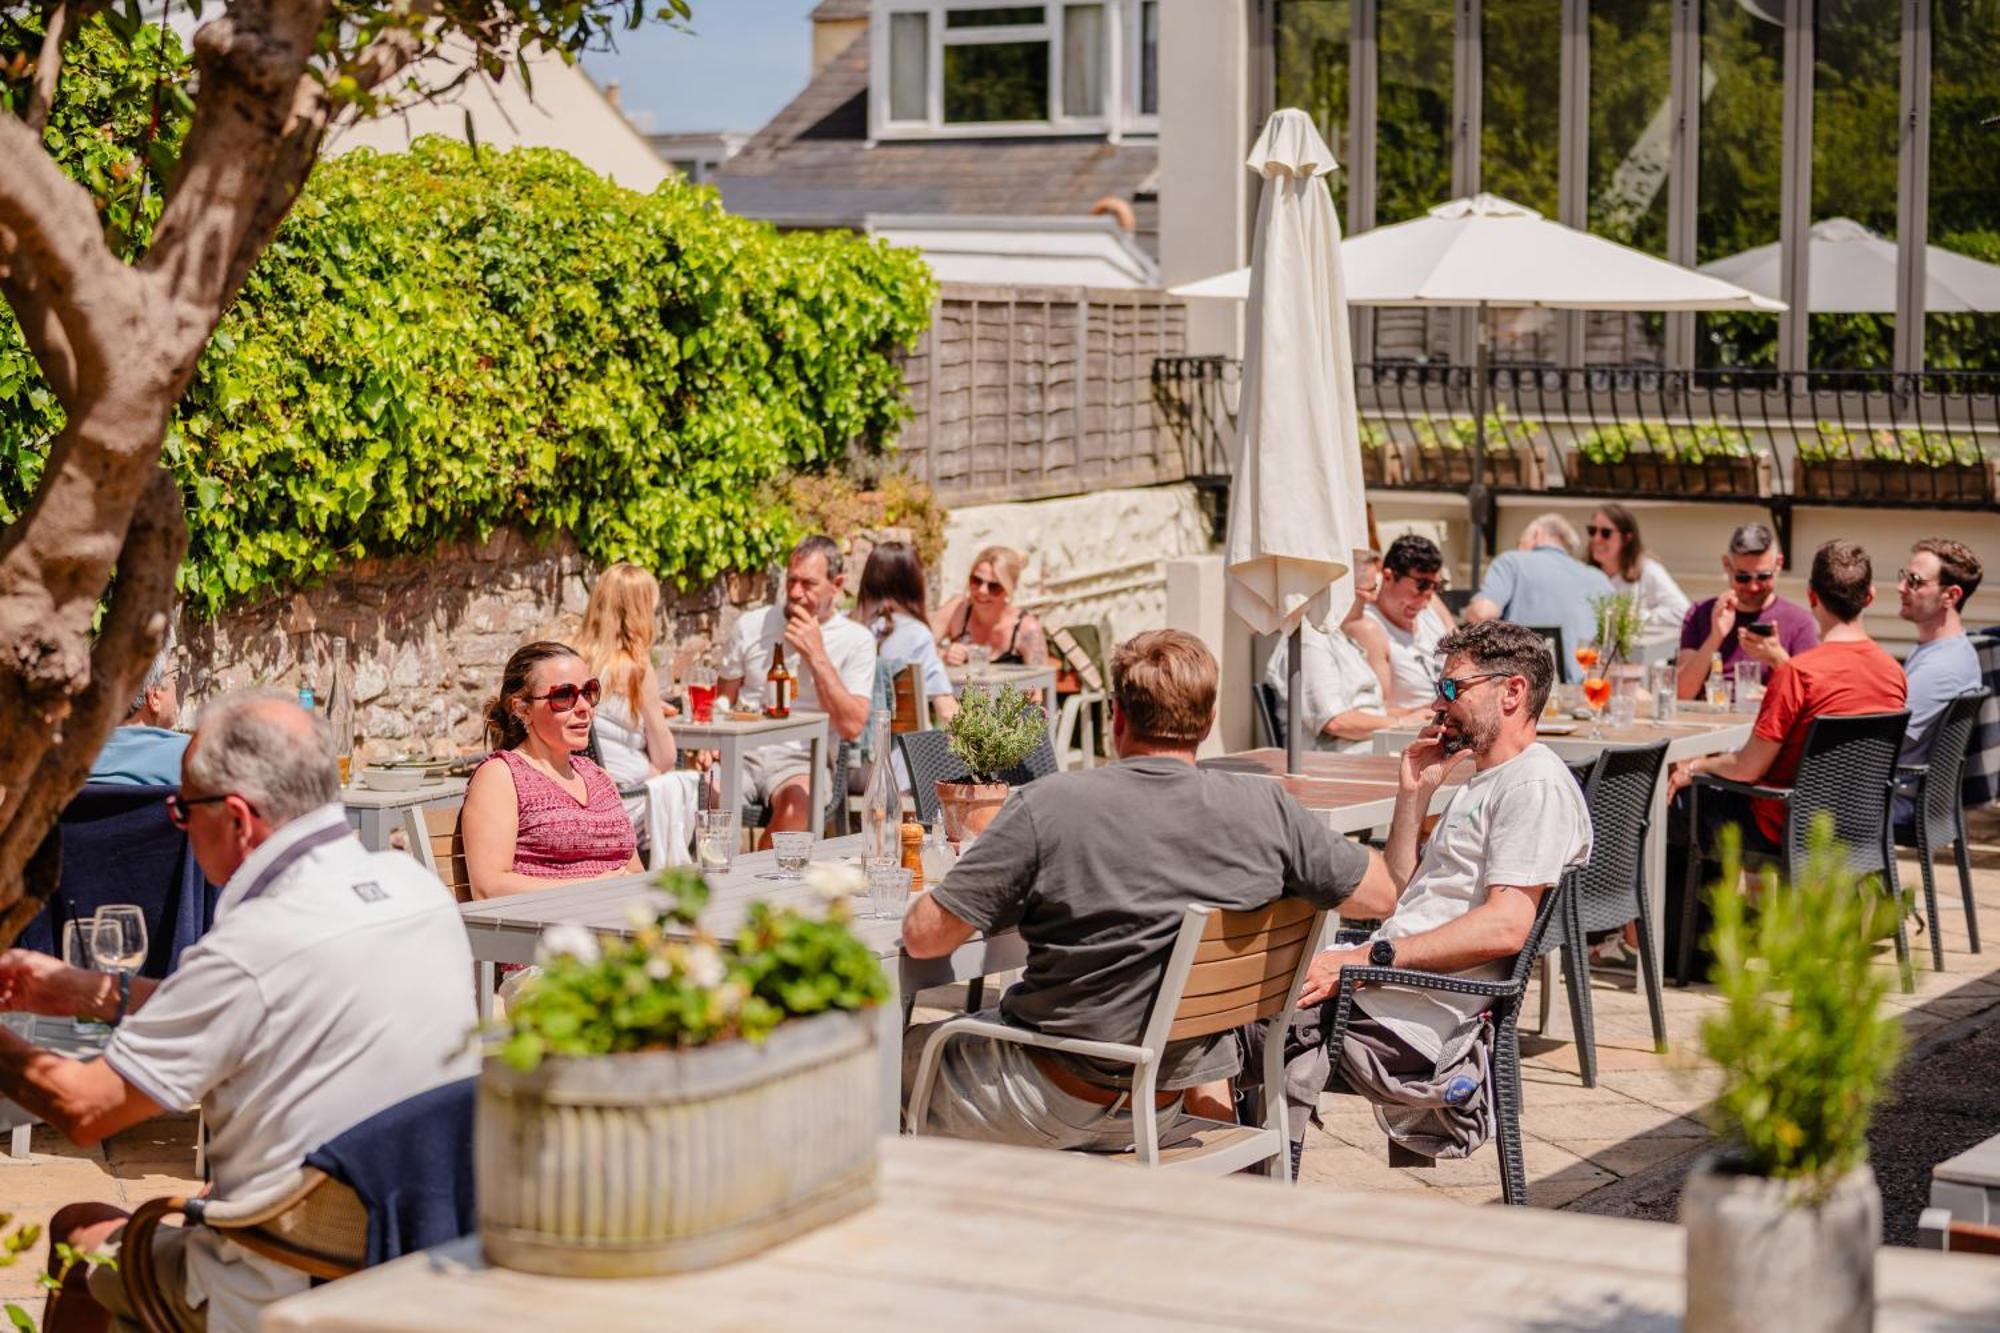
(1748, 620)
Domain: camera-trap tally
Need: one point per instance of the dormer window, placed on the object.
(963, 68)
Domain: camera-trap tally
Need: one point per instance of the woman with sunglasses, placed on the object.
(543, 814)
(985, 614)
(1616, 549)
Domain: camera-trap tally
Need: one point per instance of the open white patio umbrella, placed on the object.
(1852, 270)
(1296, 505)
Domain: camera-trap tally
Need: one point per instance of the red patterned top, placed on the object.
(555, 838)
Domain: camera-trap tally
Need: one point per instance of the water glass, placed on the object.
(1624, 709)
(1664, 682)
(76, 942)
(792, 850)
(979, 656)
(715, 840)
(888, 889)
(1749, 685)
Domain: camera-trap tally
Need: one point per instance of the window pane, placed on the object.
(1083, 60)
(1742, 142)
(996, 81)
(1857, 82)
(1005, 16)
(1312, 67)
(1412, 149)
(1149, 58)
(1520, 101)
(1965, 171)
(1631, 155)
(909, 66)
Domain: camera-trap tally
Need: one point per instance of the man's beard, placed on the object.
(1477, 733)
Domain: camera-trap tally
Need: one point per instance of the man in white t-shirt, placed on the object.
(1399, 631)
(1341, 699)
(833, 660)
(1504, 840)
(332, 986)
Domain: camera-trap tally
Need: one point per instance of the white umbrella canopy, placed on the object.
(1852, 271)
(1296, 505)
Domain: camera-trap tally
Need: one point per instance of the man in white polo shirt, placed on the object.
(334, 984)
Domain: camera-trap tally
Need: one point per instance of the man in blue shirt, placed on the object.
(145, 750)
(1941, 577)
(1542, 584)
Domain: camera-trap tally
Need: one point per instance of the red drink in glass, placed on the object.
(701, 702)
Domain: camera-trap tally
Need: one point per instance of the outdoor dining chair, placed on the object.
(1270, 712)
(1227, 969)
(1940, 813)
(1611, 890)
(1503, 1074)
(1085, 716)
(438, 843)
(1553, 636)
(928, 759)
(1847, 770)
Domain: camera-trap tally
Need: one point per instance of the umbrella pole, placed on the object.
(1294, 690)
(1475, 495)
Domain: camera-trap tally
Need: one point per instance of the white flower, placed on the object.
(645, 911)
(658, 968)
(834, 880)
(705, 967)
(574, 941)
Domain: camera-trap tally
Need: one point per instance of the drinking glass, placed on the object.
(792, 850)
(1664, 682)
(1597, 693)
(938, 859)
(701, 692)
(76, 941)
(1749, 685)
(715, 841)
(1624, 710)
(888, 889)
(118, 940)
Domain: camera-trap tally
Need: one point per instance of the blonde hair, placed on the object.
(616, 640)
(1164, 682)
(1007, 565)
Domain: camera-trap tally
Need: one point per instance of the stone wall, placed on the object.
(426, 637)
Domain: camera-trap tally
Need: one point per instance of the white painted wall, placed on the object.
(1204, 136)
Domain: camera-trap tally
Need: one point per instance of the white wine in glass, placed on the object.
(118, 938)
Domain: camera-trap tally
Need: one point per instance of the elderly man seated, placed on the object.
(1096, 868)
(1468, 898)
(144, 750)
(334, 984)
(1542, 583)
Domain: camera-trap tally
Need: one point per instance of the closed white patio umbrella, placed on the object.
(1851, 270)
(1296, 505)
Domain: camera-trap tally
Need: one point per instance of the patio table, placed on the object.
(377, 814)
(732, 738)
(972, 1237)
(64, 1037)
(1688, 736)
(1353, 793)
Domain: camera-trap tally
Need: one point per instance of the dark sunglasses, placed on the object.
(1602, 532)
(1451, 687)
(1423, 583)
(994, 586)
(179, 805)
(563, 697)
(1904, 576)
(1756, 576)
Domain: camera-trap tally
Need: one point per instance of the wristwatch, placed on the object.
(1382, 953)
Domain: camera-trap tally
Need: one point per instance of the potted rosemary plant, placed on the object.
(665, 1100)
(1784, 1218)
(991, 734)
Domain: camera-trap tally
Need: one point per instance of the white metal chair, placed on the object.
(1227, 969)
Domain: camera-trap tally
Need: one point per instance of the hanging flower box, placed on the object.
(1443, 454)
(1652, 458)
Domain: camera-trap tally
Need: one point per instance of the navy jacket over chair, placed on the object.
(412, 1166)
(118, 846)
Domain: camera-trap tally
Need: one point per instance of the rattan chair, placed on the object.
(928, 758)
(1940, 813)
(1269, 706)
(1847, 770)
(1503, 1077)
(1227, 969)
(1611, 889)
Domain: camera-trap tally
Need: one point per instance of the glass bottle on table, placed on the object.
(778, 685)
(882, 805)
(1718, 683)
(340, 711)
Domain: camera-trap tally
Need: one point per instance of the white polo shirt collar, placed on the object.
(277, 853)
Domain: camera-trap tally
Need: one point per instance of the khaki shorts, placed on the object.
(770, 767)
(107, 1284)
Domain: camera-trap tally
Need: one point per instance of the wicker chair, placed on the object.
(1611, 889)
(1503, 1079)
(928, 757)
(1848, 770)
(1940, 813)
(1269, 706)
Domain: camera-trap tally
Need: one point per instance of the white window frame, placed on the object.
(1120, 25)
(1131, 57)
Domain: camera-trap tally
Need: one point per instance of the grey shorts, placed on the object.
(107, 1284)
(992, 1092)
(770, 767)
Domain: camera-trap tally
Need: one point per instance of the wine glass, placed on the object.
(118, 938)
(1597, 693)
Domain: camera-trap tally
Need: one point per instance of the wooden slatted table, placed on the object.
(969, 1238)
(1352, 792)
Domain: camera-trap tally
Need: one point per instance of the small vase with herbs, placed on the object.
(992, 735)
(1784, 1218)
(663, 1099)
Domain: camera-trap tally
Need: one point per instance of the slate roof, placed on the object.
(835, 10)
(812, 166)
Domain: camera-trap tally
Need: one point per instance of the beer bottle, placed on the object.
(778, 682)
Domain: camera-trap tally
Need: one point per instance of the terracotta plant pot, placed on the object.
(968, 807)
(1761, 1254)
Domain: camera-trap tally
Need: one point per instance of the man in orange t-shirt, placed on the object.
(1847, 673)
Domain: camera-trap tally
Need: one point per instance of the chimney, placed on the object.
(837, 24)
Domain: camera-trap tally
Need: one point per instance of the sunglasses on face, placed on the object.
(1451, 687)
(1912, 580)
(1596, 531)
(562, 698)
(179, 805)
(1756, 576)
(1424, 583)
(993, 586)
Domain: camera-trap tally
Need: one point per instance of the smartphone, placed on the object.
(1763, 629)
(1452, 744)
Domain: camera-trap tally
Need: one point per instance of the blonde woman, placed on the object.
(985, 614)
(616, 642)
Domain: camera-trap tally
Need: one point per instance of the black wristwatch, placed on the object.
(1382, 953)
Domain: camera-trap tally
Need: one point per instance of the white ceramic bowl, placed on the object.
(392, 779)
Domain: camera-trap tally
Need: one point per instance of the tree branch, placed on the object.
(63, 22)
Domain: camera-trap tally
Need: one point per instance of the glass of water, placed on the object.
(715, 840)
(1749, 685)
(76, 951)
(888, 889)
(792, 850)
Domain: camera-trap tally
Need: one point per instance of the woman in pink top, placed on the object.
(543, 814)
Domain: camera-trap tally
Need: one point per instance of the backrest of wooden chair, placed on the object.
(324, 1234)
(912, 709)
(1236, 967)
(443, 844)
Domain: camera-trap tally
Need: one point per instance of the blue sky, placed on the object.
(743, 61)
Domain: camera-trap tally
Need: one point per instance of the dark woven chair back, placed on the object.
(1620, 794)
(1531, 950)
(928, 757)
(1553, 636)
(1951, 738)
(1846, 770)
(1270, 711)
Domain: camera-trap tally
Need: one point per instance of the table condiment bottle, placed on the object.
(913, 855)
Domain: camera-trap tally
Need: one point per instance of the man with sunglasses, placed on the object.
(1399, 632)
(1752, 564)
(332, 985)
(1933, 589)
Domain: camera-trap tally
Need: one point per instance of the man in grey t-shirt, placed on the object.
(1095, 869)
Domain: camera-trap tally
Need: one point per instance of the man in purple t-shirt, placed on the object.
(1753, 563)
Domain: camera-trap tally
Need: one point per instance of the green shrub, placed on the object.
(1805, 1047)
(1458, 433)
(1693, 443)
(992, 733)
(1888, 444)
